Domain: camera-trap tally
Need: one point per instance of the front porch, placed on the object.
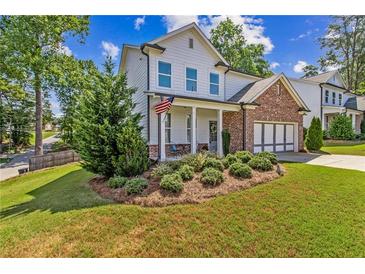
(330, 112)
(190, 126)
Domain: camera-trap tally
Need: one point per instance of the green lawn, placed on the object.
(310, 212)
(347, 149)
(45, 134)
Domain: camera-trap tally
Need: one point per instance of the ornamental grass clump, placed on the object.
(172, 182)
(240, 170)
(260, 163)
(214, 163)
(212, 176)
(244, 156)
(186, 172)
(160, 170)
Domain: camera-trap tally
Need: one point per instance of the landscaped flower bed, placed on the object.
(194, 179)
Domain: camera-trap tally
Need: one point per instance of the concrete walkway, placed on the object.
(331, 160)
(21, 160)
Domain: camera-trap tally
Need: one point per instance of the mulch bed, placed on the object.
(194, 191)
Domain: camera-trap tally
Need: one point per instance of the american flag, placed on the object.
(164, 105)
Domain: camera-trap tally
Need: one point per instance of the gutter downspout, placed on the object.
(225, 86)
(148, 97)
(321, 109)
(243, 127)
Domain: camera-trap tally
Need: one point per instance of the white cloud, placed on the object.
(332, 67)
(253, 29)
(274, 65)
(139, 22)
(109, 49)
(303, 35)
(65, 50)
(298, 67)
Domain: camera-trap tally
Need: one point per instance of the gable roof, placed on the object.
(356, 103)
(322, 77)
(252, 91)
(198, 30)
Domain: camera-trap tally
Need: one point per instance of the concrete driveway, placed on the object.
(331, 160)
(21, 160)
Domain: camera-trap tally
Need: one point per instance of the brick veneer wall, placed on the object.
(358, 119)
(273, 106)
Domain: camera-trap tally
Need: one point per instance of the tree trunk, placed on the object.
(38, 116)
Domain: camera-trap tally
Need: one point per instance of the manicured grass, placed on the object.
(346, 149)
(312, 211)
(45, 134)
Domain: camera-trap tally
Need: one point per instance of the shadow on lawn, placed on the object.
(69, 192)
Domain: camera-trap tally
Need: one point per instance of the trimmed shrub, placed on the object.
(117, 181)
(260, 163)
(212, 176)
(240, 170)
(135, 186)
(305, 131)
(160, 170)
(272, 157)
(230, 159)
(186, 172)
(314, 138)
(175, 165)
(172, 182)
(362, 126)
(214, 163)
(244, 156)
(226, 138)
(341, 128)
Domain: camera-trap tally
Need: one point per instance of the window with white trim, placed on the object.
(188, 128)
(340, 99)
(326, 97)
(168, 128)
(214, 83)
(191, 75)
(333, 98)
(191, 43)
(164, 74)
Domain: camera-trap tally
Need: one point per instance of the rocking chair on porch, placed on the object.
(174, 151)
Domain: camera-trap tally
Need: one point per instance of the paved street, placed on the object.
(21, 160)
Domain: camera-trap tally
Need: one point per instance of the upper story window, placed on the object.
(168, 128)
(340, 99)
(326, 97)
(191, 43)
(333, 98)
(164, 74)
(191, 79)
(214, 83)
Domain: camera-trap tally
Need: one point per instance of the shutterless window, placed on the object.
(168, 128)
(334, 98)
(164, 74)
(191, 43)
(191, 79)
(188, 128)
(340, 99)
(214, 83)
(327, 94)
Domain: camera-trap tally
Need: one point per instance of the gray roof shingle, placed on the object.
(322, 78)
(356, 102)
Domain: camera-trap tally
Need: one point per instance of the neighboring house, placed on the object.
(209, 96)
(326, 95)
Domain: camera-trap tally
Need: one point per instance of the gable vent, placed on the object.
(191, 43)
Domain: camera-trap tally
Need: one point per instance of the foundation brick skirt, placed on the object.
(181, 149)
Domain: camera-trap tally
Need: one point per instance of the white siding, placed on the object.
(311, 95)
(136, 71)
(178, 124)
(181, 56)
(235, 82)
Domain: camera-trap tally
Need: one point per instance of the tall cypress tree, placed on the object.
(314, 138)
(108, 137)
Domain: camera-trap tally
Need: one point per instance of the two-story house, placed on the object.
(209, 96)
(327, 95)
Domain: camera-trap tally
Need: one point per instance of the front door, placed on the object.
(213, 136)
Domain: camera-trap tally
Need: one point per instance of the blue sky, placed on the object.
(290, 41)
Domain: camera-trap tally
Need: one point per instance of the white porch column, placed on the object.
(353, 121)
(162, 118)
(193, 130)
(219, 132)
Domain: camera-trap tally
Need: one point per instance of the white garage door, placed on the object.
(273, 137)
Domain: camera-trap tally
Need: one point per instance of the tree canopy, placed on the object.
(228, 38)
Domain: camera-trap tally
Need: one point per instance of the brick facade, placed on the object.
(274, 106)
(358, 120)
